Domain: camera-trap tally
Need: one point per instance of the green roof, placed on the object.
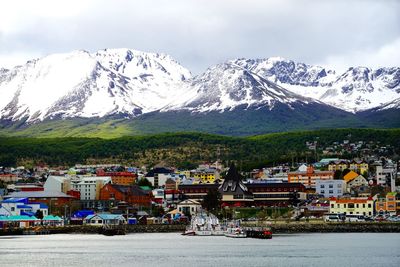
(15, 218)
(52, 218)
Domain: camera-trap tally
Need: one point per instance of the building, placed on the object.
(338, 165)
(309, 177)
(9, 177)
(354, 181)
(89, 186)
(158, 176)
(189, 207)
(386, 205)
(361, 206)
(131, 194)
(101, 219)
(196, 191)
(330, 188)
(21, 206)
(234, 192)
(276, 194)
(205, 175)
(120, 178)
(359, 166)
(56, 201)
(57, 183)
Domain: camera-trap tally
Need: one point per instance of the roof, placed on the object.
(18, 218)
(105, 216)
(351, 200)
(158, 170)
(24, 207)
(350, 176)
(189, 202)
(129, 189)
(16, 200)
(52, 218)
(37, 194)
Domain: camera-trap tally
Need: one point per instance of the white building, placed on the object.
(89, 186)
(189, 206)
(330, 188)
(58, 183)
(20, 206)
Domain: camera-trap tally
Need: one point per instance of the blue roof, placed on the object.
(41, 205)
(16, 200)
(105, 216)
(24, 207)
(82, 213)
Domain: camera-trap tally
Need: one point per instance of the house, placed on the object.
(53, 200)
(21, 206)
(338, 165)
(21, 221)
(101, 219)
(330, 188)
(205, 175)
(131, 194)
(79, 216)
(309, 177)
(360, 166)
(157, 176)
(234, 192)
(354, 180)
(387, 204)
(361, 206)
(90, 186)
(189, 206)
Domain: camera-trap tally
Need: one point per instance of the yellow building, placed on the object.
(337, 165)
(359, 166)
(206, 176)
(361, 206)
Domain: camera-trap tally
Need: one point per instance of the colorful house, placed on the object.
(386, 204)
(361, 206)
(359, 166)
(131, 194)
(309, 177)
(354, 180)
(338, 165)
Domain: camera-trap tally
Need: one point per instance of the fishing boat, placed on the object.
(235, 232)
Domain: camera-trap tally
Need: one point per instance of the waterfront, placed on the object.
(172, 249)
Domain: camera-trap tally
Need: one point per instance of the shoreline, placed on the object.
(288, 228)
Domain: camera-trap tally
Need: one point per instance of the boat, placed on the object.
(235, 232)
(203, 224)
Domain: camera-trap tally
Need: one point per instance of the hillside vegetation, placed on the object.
(183, 149)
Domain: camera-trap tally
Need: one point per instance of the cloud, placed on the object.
(386, 56)
(201, 33)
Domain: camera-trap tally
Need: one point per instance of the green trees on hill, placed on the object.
(184, 150)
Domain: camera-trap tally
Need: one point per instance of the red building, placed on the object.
(131, 194)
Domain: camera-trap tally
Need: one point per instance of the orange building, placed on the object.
(386, 204)
(120, 178)
(131, 194)
(309, 177)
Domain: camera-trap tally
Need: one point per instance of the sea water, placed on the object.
(173, 249)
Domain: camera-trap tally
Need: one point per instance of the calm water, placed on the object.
(172, 249)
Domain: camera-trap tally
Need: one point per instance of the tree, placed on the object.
(338, 175)
(144, 182)
(212, 201)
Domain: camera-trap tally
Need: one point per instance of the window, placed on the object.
(351, 205)
(339, 185)
(339, 191)
(12, 208)
(331, 186)
(322, 191)
(357, 206)
(369, 205)
(322, 186)
(330, 191)
(345, 206)
(332, 206)
(364, 206)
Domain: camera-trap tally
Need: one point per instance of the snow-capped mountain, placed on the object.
(130, 83)
(355, 90)
(83, 84)
(226, 86)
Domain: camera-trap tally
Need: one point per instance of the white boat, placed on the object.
(203, 224)
(235, 232)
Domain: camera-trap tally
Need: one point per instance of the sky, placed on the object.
(202, 33)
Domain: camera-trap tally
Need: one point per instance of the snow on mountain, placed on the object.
(110, 81)
(130, 83)
(228, 85)
(355, 90)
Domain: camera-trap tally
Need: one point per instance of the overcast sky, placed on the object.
(200, 33)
